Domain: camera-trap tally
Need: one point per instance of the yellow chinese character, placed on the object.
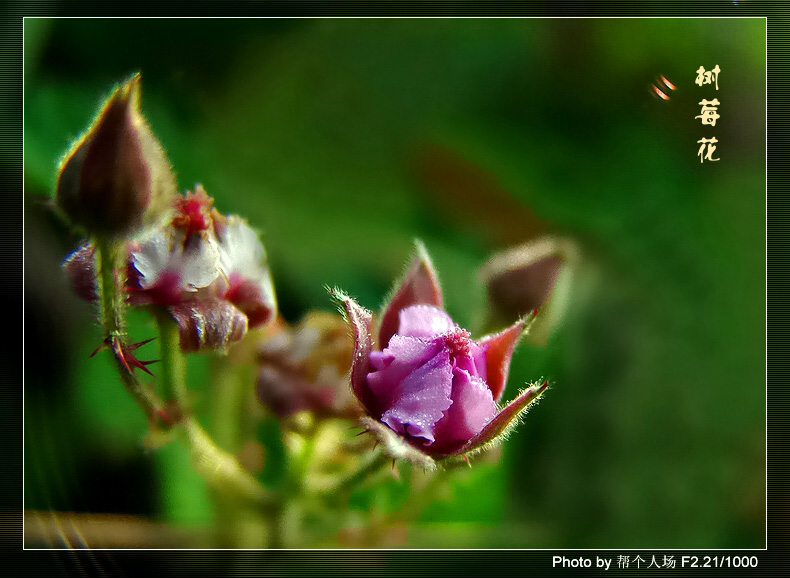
(708, 76)
(709, 112)
(708, 143)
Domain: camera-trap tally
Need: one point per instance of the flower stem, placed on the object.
(236, 524)
(221, 470)
(172, 363)
(113, 318)
(112, 302)
(284, 522)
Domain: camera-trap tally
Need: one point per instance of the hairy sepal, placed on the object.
(360, 320)
(503, 423)
(418, 286)
(395, 446)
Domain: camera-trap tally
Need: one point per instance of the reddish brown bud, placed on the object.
(116, 177)
(208, 324)
(532, 278)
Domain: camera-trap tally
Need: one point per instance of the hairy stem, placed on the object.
(221, 470)
(113, 318)
(110, 286)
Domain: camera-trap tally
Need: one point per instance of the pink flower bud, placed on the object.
(116, 177)
(434, 388)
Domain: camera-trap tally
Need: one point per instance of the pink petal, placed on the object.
(473, 407)
(253, 299)
(165, 291)
(420, 285)
(81, 270)
(424, 321)
(420, 399)
(390, 367)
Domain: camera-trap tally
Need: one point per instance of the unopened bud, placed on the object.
(529, 278)
(208, 324)
(116, 178)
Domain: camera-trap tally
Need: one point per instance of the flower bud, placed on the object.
(429, 390)
(208, 324)
(116, 178)
(530, 277)
(305, 368)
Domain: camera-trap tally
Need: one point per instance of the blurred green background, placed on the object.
(345, 139)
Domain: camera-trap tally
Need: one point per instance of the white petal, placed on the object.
(152, 258)
(242, 251)
(200, 263)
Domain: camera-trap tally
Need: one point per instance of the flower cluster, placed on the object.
(207, 270)
(418, 382)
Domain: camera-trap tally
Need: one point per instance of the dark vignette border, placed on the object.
(318, 8)
(390, 563)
